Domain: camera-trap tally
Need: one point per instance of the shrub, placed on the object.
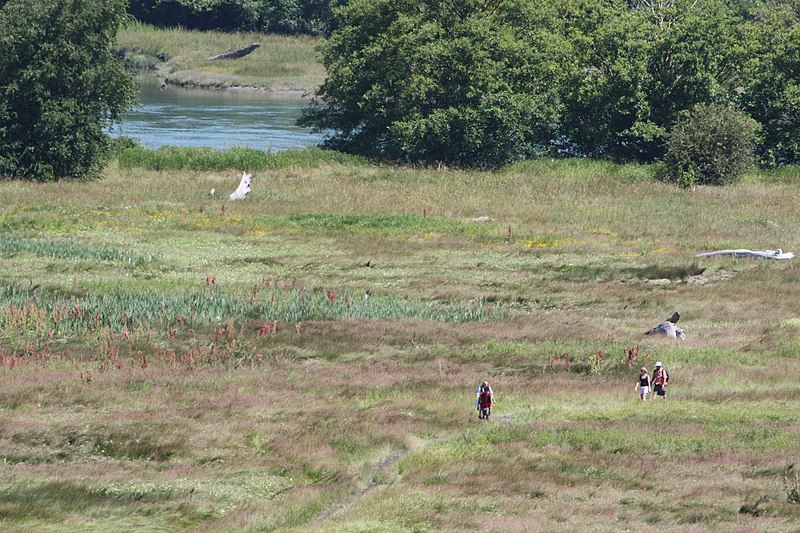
(710, 145)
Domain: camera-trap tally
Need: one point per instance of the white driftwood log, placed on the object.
(764, 254)
(244, 188)
(668, 328)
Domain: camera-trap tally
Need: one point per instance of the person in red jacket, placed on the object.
(660, 379)
(484, 400)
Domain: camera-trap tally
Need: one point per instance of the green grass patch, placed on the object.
(211, 159)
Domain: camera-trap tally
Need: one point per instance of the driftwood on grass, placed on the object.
(243, 190)
(236, 54)
(668, 328)
(764, 254)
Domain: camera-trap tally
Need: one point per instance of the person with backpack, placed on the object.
(643, 385)
(483, 402)
(660, 379)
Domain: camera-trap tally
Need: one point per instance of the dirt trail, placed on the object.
(379, 470)
(383, 469)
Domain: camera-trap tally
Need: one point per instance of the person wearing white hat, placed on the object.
(660, 380)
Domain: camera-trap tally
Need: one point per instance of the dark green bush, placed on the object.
(60, 87)
(710, 145)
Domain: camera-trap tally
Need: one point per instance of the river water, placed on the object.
(219, 119)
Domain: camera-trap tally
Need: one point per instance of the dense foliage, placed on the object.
(60, 86)
(280, 16)
(482, 82)
(711, 145)
(460, 82)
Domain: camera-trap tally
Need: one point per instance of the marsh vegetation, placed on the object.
(306, 359)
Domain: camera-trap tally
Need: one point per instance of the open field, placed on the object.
(180, 57)
(305, 360)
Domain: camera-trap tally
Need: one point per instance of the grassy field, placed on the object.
(305, 359)
(180, 57)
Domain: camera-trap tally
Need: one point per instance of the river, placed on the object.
(219, 119)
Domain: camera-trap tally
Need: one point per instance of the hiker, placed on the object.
(483, 402)
(643, 385)
(659, 380)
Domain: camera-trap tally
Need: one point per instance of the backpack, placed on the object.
(485, 398)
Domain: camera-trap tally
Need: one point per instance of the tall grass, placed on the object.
(210, 159)
(72, 250)
(57, 314)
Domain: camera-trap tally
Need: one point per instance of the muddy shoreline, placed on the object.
(167, 83)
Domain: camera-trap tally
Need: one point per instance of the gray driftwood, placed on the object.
(236, 54)
(742, 253)
(668, 328)
(243, 190)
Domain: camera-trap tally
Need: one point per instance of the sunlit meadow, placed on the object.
(306, 359)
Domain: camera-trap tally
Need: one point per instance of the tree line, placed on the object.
(485, 82)
(313, 17)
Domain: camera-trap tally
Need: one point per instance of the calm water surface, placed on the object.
(220, 119)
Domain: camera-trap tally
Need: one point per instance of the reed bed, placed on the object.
(56, 314)
(72, 250)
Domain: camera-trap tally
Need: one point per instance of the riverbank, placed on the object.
(281, 65)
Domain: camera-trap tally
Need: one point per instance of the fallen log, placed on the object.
(236, 54)
(743, 253)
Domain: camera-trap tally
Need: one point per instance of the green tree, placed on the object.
(465, 82)
(282, 16)
(770, 91)
(60, 86)
(643, 64)
(710, 145)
